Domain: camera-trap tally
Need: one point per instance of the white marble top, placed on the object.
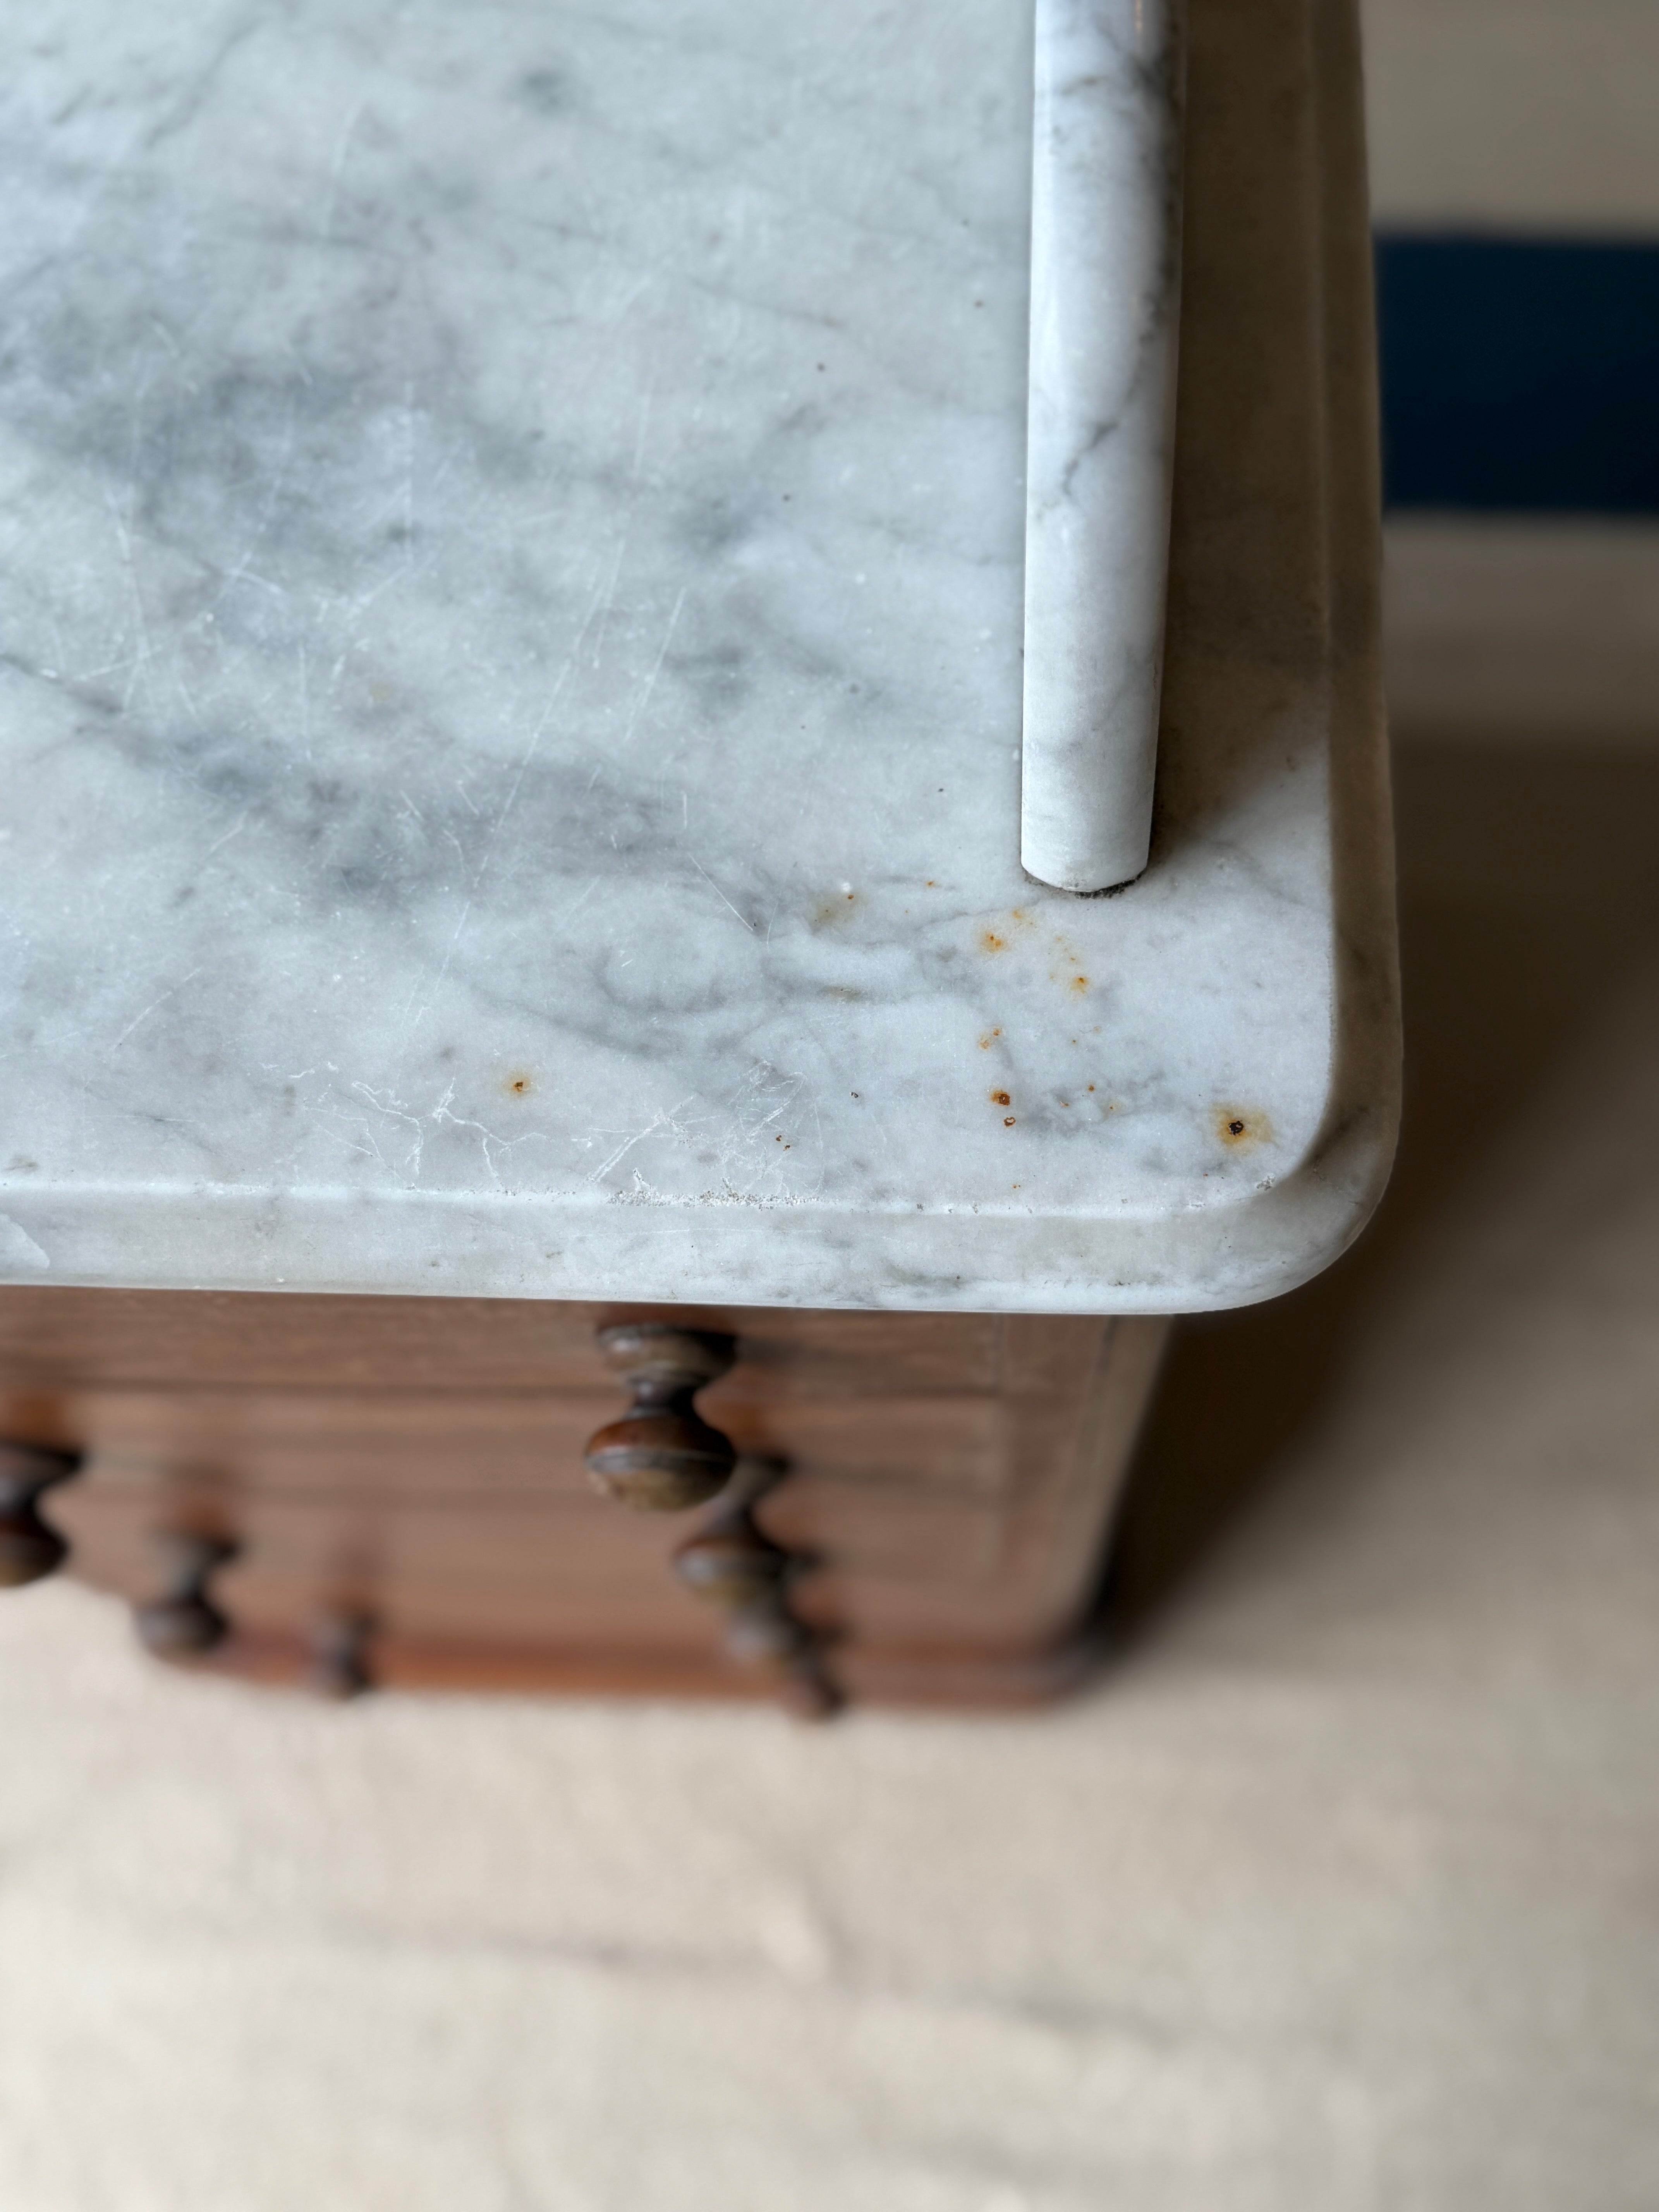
(510, 544)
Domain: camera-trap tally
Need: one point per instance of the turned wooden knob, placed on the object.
(733, 1563)
(661, 1456)
(338, 1664)
(184, 1621)
(767, 1634)
(30, 1547)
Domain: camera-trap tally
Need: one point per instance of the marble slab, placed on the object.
(511, 529)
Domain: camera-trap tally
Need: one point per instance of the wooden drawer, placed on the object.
(501, 1572)
(949, 1479)
(520, 1445)
(470, 1344)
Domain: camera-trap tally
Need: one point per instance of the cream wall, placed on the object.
(1536, 116)
(1538, 112)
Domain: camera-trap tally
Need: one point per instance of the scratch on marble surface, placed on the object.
(663, 1118)
(397, 1111)
(305, 700)
(508, 804)
(336, 170)
(491, 1143)
(641, 1193)
(719, 893)
(580, 901)
(138, 1018)
(194, 96)
(609, 599)
(145, 653)
(234, 830)
(19, 1249)
(650, 685)
(643, 433)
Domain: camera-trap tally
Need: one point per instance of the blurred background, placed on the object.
(1340, 1890)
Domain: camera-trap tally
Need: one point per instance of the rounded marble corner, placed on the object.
(1207, 1259)
(1306, 1221)
(1277, 1238)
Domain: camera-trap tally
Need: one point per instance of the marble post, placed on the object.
(1105, 309)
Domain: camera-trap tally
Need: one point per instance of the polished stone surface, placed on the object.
(511, 536)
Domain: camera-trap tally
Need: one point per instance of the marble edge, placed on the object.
(436, 1244)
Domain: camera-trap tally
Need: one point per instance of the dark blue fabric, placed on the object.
(1519, 373)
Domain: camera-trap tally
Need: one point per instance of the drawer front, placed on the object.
(518, 1447)
(251, 1338)
(946, 1491)
(503, 1572)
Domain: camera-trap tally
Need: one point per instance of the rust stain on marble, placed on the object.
(1242, 1128)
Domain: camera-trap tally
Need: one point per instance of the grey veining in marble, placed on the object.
(1105, 317)
(511, 534)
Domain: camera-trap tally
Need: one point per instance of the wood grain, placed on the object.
(466, 1343)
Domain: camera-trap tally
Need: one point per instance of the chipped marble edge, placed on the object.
(1105, 321)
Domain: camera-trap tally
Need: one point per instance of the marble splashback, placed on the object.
(510, 540)
(1105, 321)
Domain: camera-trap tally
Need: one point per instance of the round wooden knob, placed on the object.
(731, 1564)
(658, 1355)
(660, 1462)
(661, 1456)
(767, 1635)
(30, 1547)
(338, 1666)
(808, 1693)
(184, 1622)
